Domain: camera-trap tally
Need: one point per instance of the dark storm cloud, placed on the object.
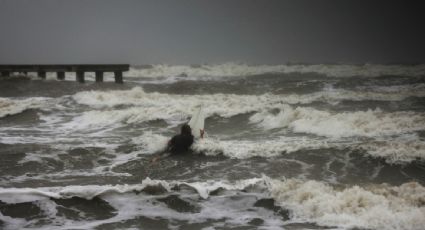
(144, 32)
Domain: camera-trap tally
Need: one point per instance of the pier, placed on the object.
(41, 70)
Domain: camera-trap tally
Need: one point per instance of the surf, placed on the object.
(226, 70)
(306, 201)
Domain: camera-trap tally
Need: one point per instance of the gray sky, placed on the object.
(214, 31)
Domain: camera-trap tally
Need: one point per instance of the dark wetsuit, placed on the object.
(180, 143)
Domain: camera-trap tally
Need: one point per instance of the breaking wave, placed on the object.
(393, 150)
(16, 106)
(237, 148)
(375, 207)
(299, 119)
(362, 123)
(137, 96)
(398, 150)
(233, 69)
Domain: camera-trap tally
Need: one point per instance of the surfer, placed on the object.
(180, 143)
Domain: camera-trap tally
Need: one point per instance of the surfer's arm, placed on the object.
(159, 156)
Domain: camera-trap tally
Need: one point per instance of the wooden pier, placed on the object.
(41, 70)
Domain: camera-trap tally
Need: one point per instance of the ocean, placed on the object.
(296, 146)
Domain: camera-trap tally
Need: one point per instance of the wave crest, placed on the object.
(16, 106)
(376, 207)
(234, 70)
(347, 124)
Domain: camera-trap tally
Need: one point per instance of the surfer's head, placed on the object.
(186, 130)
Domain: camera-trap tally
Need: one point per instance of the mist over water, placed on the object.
(288, 147)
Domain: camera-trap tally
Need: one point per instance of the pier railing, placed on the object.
(41, 70)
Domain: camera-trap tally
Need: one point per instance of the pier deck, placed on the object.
(41, 70)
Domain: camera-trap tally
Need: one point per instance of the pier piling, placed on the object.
(99, 76)
(60, 75)
(5, 73)
(41, 74)
(118, 77)
(80, 76)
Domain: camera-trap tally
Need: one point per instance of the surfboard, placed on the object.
(197, 122)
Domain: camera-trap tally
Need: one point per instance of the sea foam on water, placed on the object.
(374, 206)
(288, 146)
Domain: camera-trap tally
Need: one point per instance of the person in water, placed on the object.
(180, 143)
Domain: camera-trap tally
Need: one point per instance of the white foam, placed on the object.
(372, 123)
(234, 69)
(150, 142)
(393, 150)
(15, 106)
(64, 175)
(398, 150)
(375, 207)
(376, 93)
(12, 223)
(242, 149)
(137, 96)
(234, 213)
(155, 106)
(19, 195)
(214, 103)
(378, 207)
(362, 123)
(33, 157)
(177, 108)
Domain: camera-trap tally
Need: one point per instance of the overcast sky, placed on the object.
(215, 31)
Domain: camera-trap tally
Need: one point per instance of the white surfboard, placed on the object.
(197, 121)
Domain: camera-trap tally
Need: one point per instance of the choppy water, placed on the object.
(287, 147)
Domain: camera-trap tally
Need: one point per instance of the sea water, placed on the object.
(287, 147)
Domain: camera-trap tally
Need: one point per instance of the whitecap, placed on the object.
(16, 106)
(375, 206)
(226, 70)
(368, 123)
